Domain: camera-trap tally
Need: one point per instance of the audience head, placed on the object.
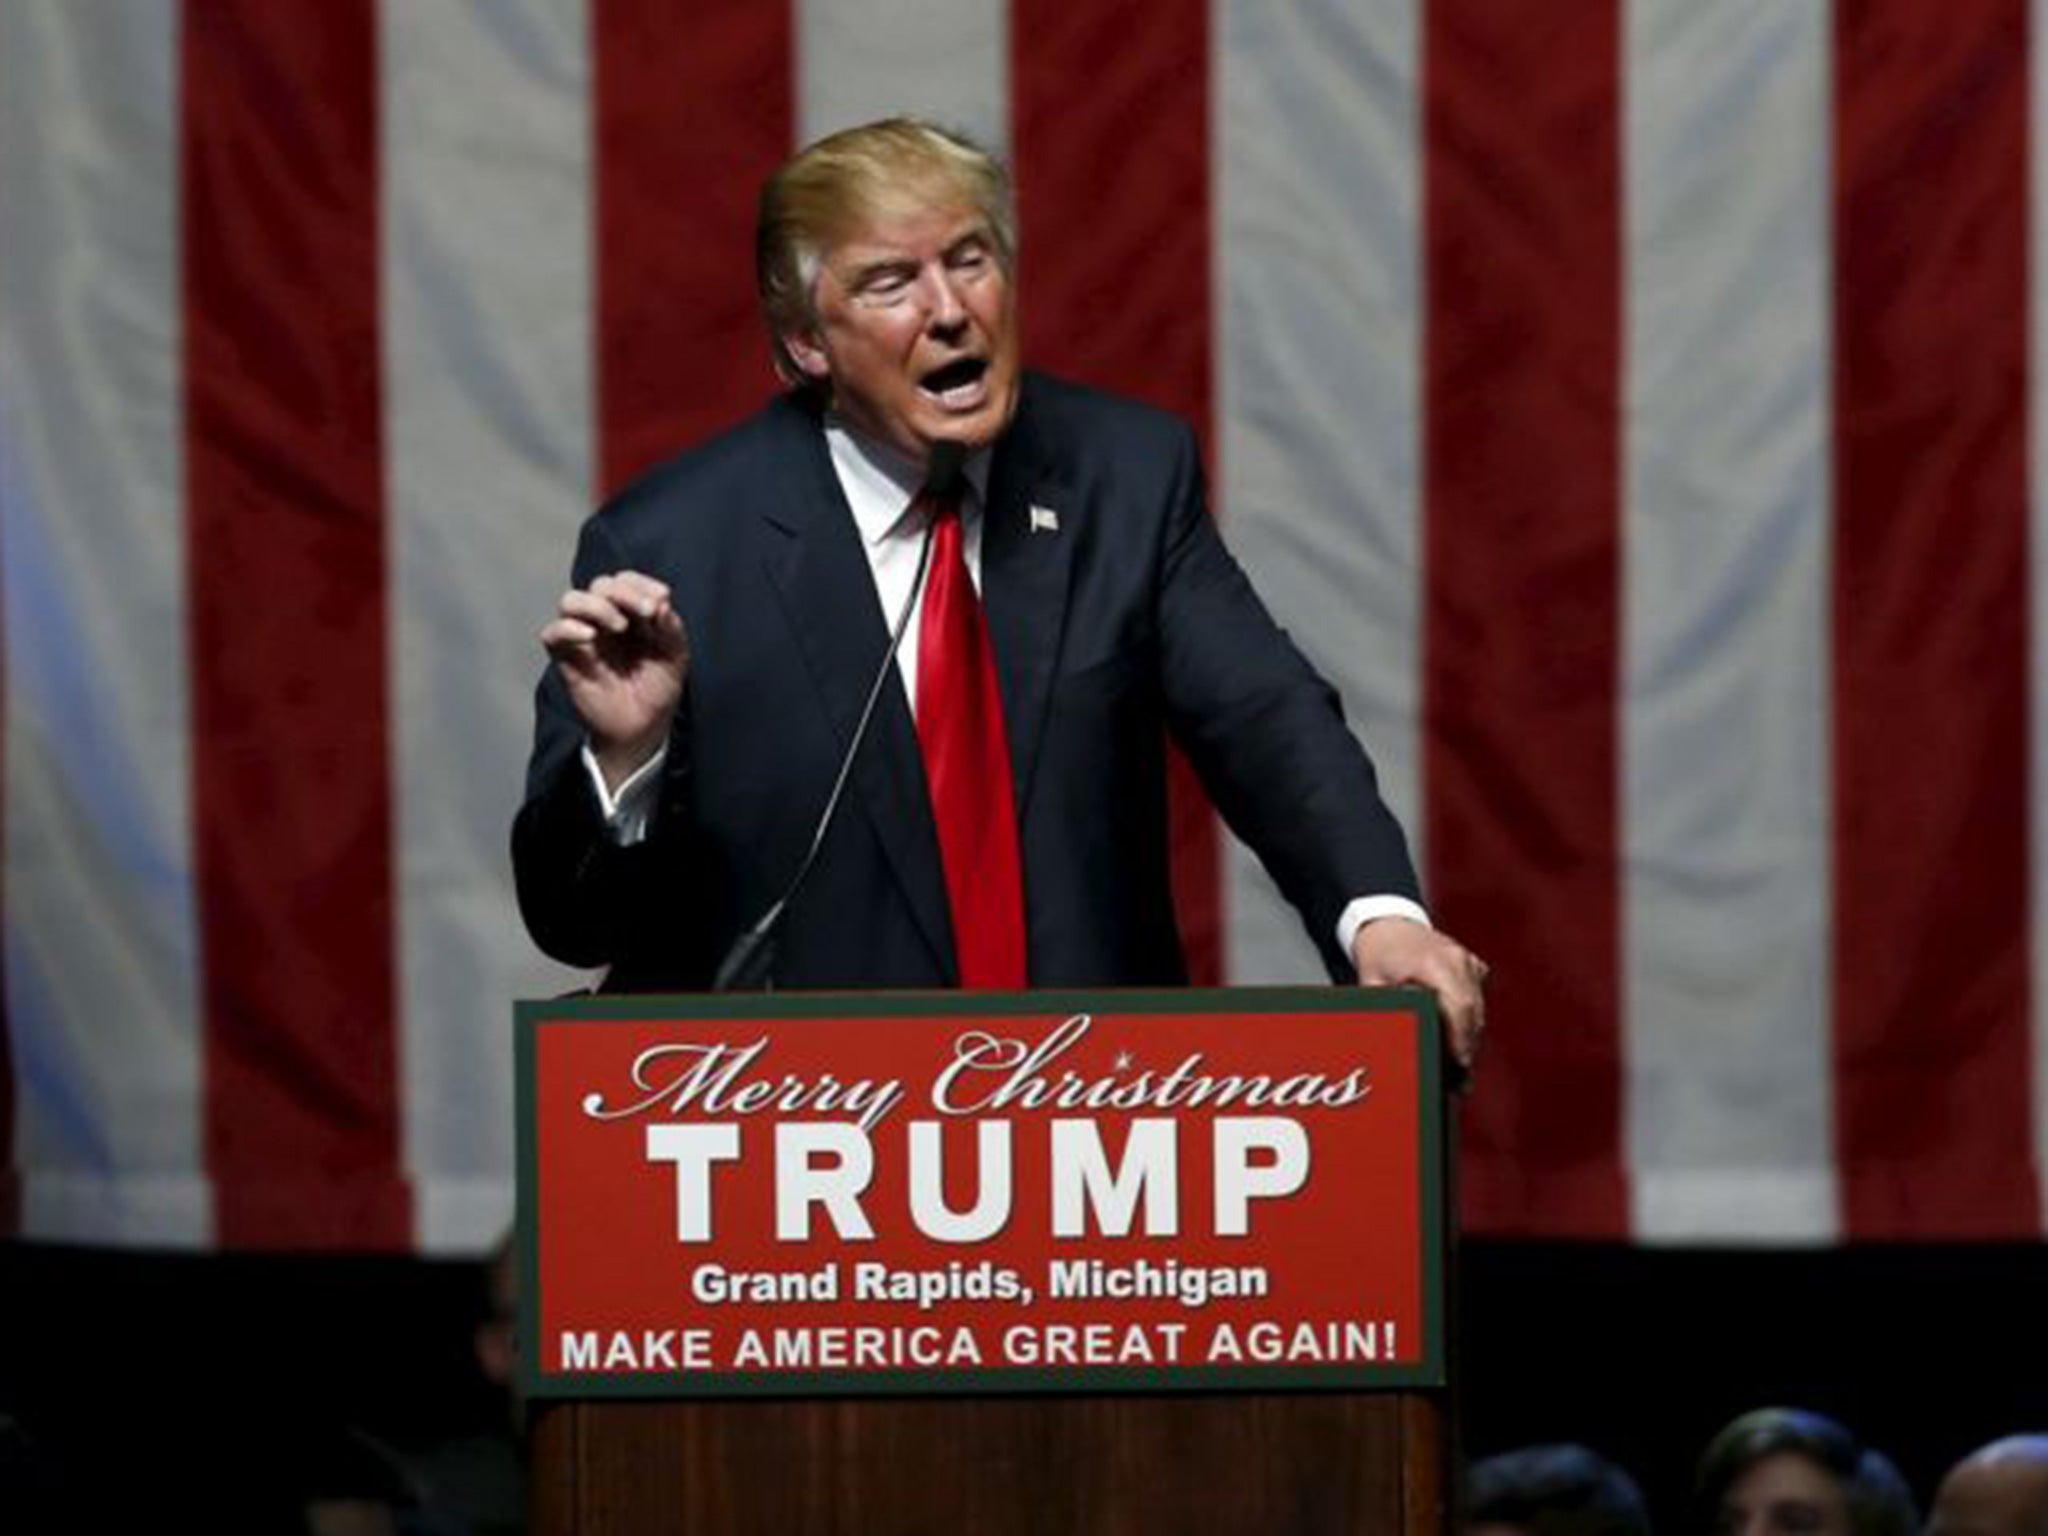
(1554, 1490)
(2000, 1489)
(496, 1327)
(496, 1337)
(1777, 1471)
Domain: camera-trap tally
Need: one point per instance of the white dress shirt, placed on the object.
(881, 488)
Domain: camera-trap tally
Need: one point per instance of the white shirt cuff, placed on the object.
(628, 812)
(1367, 909)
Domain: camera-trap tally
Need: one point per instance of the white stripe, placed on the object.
(1317, 213)
(857, 60)
(2037, 535)
(1725, 691)
(102, 969)
(487, 344)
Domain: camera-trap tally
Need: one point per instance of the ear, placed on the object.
(809, 352)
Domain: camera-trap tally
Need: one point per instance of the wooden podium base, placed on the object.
(1300, 1463)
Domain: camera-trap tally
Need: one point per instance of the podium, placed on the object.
(1307, 1384)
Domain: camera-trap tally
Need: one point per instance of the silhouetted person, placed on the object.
(2000, 1489)
(474, 1484)
(1781, 1471)
(1553, 1490)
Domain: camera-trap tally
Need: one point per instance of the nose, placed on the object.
(945, 312)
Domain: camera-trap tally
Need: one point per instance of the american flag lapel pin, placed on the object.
(1044, 520)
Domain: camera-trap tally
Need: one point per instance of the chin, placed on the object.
(976, 432)
(970, 432)
(983, 426)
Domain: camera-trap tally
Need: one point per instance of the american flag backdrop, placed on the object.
(1629, 403)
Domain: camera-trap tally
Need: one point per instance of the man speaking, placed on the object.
(876, 685)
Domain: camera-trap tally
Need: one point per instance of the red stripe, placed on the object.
(284, 504)
(1111, 132)
(1523, 211)
(693, 111)
(1930, 620)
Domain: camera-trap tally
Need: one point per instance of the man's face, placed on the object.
(916, 330)
(1784, 1494)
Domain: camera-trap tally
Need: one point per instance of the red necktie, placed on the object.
(967, 764)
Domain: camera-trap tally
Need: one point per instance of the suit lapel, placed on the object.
(1027, 544)
(813, 556)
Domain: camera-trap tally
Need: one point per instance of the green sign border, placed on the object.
(1428, 1373)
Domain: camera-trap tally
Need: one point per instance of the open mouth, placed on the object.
(958, 384)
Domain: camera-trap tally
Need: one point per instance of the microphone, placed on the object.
(945, 469)
(749, 966)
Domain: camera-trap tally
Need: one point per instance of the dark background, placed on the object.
(199, 1383)
(1925, 1352)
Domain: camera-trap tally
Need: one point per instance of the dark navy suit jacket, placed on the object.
(1125, 621)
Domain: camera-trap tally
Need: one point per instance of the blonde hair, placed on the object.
(819, 194)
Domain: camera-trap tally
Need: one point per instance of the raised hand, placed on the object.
(622, 653)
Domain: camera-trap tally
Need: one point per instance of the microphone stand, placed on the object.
(749, 965)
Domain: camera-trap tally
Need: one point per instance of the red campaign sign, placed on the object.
(1009, 1192)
